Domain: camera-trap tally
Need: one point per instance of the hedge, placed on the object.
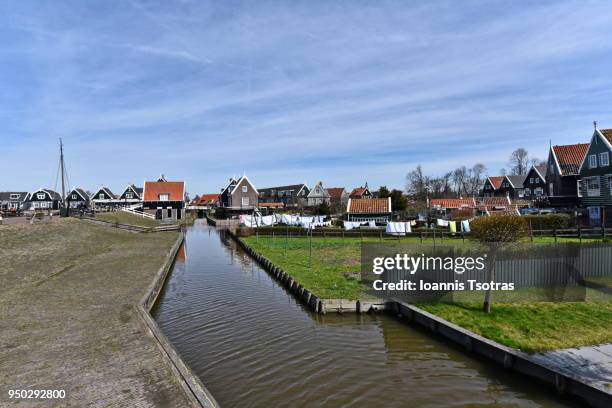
(550, 221)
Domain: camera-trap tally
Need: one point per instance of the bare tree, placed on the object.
(476, 178)
(417, 183)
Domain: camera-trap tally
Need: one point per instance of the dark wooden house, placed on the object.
(292, 196)
(130, 195)
(44, 199)
(12, 201)
(511, 186)
(491, 186)
(563, 173)
(596, 176)
(239, 195)
(361, 192)
(104, 198)
(164, 199)
(535, 182)
(77, 198)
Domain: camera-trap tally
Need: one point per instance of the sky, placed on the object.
(293, 91)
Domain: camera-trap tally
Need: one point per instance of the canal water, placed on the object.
(253, 345)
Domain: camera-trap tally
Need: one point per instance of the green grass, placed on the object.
(123, 217)
(530, 325)
(533, 326)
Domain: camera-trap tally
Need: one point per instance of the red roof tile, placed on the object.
(496, 181)
(369, 206)
(488, 203)
(570, 157)
(335, 192)
(174, 189)
(208, 199)
(452, 202)
(607, 133)
(357, 192)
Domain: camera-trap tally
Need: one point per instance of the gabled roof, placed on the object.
(541, 170)
(80, 192)
(487, 203)
(137, 190)
(496, 181)
(569, 157)
(516, 181)
(53, 194)
(208, 199)
(106, 191)
(452, 202)
(607, 133)
(6, 195)
(174, 189)
(335, 192)
(370, 206)
(324, 192)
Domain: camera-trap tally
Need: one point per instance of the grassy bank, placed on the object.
(67, 295)
(528, 325)
(123, 217)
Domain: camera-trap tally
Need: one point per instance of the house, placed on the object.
(103, 198)
(77, 198)
(292, 196)
(338, 199)
(207, 200)
(535, 182)
(563, 173)
(361, 192)
(44, 199)
(495, 204)
(453, 206)
(512, 186)
(373, 209)
(318, 195)
(491, 186)
(131, 195)
(12, 201)
(595, 190)
(164, 199)
(239, 195)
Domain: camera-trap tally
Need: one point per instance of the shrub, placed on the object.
(549, 221)
(499, 228)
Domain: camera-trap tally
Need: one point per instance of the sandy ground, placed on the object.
(67, 317)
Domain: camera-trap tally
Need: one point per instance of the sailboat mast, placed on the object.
(62, 169)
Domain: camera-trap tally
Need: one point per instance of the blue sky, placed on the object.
(292, 92)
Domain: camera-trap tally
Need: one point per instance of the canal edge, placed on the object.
(508, 358)
(194, 389)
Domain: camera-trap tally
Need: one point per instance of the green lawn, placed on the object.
(527, 325)
(123, 217)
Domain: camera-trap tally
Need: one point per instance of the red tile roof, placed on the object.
(208, 199)
(174, 189)
(570, 157)
(335, 192)
(487, 203)
(369, 206)
(452, 202)
(607, 133)
(496, 181)
(357, 192)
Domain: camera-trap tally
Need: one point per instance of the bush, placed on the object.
(549, 221)
(499, 228)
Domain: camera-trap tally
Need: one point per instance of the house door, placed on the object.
(169, 213)
(158, 214)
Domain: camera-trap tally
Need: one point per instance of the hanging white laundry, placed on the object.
(350, 225)
(465, 225)
(267, 221)
(442, 223)
(397, 228)
(372, 224)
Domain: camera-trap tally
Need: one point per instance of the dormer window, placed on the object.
(74, 196)
(592, 161)
(15, 196)
(164, 197)
(40, 196)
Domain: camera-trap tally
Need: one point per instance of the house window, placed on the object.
(537, 180)
(604, 159)
(609, 177)
(530, 180)
(40, 196)
(245, 201)
(527, 191)
(164, 197)
(74, 196)
(539, 191)
(101, 196)
(15, 196)
(592, 187)
(129, 195)
(245, 189)
(581, 184)
(592, 161)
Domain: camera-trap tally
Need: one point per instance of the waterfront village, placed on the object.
(576, 180)
(76, 263)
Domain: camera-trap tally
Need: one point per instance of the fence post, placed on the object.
(530, 231)
(555, 234)
(579, 234)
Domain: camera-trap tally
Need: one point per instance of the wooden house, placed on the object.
(239, 195)
(104, 198)
(12, 201)
(563, 173)
(535, 182)
(512, 186)
(338, 199)
(164, 199)
(43, 199)
(361, 192)
(452, 206)
(77, 198)
(318, 195)
(595, 171)
(291, 196)
(491, 186)
(207, 201)
(131, 195)
(373, 209)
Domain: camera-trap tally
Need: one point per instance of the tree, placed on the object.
(383, 192)
(398, 201)
(520, 162)
(323, 209)
(497, 232)
(417, 184)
